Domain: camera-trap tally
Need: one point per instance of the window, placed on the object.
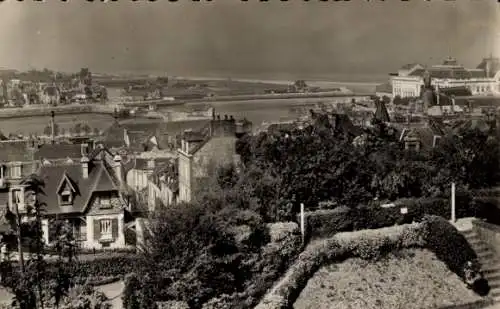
(436, 140)
(16, 196)
(105, 201)
(105, 226)
(16, 171)
(17, 199)
(66, 198)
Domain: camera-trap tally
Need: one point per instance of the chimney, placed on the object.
(85, 167)
(52, 127)
(118, 168)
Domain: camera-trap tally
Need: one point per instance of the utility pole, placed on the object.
(302, 223)
(453, 214)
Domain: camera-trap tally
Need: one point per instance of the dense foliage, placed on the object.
(371, 246)
(322, 162)
(213, 252)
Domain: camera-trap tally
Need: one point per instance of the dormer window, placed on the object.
(66, 191)
(66, 197)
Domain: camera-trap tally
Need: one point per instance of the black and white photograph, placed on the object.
(232, 154)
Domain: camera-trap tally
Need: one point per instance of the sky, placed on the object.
(231, 37)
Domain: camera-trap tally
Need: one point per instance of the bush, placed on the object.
(328, 222)
(98, 270)
(264, 269)
(447, 243)
(85, 297)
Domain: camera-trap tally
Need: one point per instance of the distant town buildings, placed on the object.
(483, 80)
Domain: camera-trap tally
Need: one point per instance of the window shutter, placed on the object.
(97, 229)
(114, 228)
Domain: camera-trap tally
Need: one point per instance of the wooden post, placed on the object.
(453, 215)
(302, 223)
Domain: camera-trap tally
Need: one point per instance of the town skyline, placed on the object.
(246, 39)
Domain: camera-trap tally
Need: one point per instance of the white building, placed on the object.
(484, 80)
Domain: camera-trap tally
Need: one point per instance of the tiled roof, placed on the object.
(437, 126)
(58, 151)
(418, 72)
(140, 132)
(409, 66)
(448, 73)
(99, 179)
(386, 87)
(494, 65)
(15, 150)
(424, 134)
(469, 124)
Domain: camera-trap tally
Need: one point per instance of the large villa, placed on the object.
(483, 80)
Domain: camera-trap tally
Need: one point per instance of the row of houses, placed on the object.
(104, 187)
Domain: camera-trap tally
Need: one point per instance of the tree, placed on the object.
(397, 100)
(300, 84)
(34, 186)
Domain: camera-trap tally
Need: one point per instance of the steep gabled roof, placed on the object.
(98, 179)
(66, 180)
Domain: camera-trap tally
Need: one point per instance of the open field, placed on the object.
(410, 279)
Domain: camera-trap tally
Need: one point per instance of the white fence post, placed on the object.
(302, 222)
(453, 215)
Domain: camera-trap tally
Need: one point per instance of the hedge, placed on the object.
(97, 271)
(370, 244)
(326, 223)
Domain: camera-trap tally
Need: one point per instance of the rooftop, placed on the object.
(99, 179)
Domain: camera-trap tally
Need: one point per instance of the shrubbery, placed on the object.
(433, 233)
(326, 223)
(447, 243)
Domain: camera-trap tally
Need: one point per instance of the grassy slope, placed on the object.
(408, 279)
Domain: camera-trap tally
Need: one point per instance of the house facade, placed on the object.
(90, 195)
(201, 152)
